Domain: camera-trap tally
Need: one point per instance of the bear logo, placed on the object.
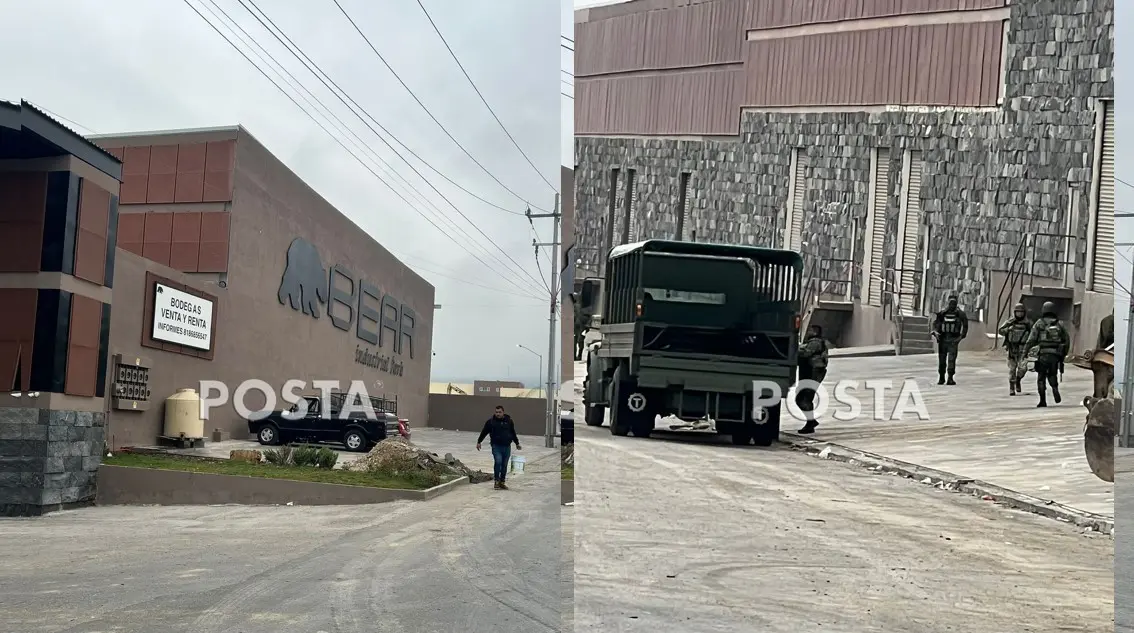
(305, 281)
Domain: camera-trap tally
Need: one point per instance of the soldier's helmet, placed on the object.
(1048, 308)
(1018, 310)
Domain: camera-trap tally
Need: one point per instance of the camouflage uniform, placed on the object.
(1015, 332)
(812, 362)
(1052, 341)
(949, 327)
(580, 332)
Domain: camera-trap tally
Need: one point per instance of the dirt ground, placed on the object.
(720, 538)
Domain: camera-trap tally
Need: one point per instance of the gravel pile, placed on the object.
(399, 453)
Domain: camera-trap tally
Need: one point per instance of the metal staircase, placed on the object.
(827, 296)
(1022, 284)
(901, 305)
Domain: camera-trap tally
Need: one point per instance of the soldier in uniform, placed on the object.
(1104, 373)
(1015, 332)
(581, 327)
(812, 366)
(1053, 341)
(949, 327)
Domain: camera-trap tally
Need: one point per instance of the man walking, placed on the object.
(501, 432)
(813, 367)
(1015, 332)
(1053, 341)
(950, 327)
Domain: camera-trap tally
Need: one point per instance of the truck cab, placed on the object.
(687, 328)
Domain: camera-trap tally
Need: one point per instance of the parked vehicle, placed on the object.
(686, 329)
(356, 431)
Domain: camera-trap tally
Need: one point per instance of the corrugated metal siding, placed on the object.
(877, 220)
(691, 102)
(772, 14)
(947, 64)
(696, 35)
(1103, 277)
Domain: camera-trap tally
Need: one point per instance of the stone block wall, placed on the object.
(48, 459)
(990, 176)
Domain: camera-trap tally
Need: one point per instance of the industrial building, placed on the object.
(908, 149)
(133, 266)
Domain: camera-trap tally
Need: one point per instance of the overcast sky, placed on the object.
(136, 65)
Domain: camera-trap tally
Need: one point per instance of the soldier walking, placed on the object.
(1053, 341)
(812, 366)
(1015, 332)
(950, 327)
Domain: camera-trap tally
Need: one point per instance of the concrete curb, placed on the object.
(952, 482)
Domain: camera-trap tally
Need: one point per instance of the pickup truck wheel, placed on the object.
(768, 433)
(594, 415)
(620, 415)
(742, 438)
(355, 441)
(268, 435)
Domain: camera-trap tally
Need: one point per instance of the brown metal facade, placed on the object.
(260, 208)
(678, 68)
(932, 65)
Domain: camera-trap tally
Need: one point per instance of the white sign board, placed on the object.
(182, 318)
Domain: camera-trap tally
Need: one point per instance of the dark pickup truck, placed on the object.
(356, 431)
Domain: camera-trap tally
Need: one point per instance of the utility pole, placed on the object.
(556, 217)
(1126, 413)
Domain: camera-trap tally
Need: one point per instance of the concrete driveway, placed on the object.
(475, 560)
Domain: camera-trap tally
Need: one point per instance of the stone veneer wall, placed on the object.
(990, 176)
(48, 459)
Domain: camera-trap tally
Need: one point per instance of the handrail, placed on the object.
(1022, 270)
(893, 292)
(819, 279)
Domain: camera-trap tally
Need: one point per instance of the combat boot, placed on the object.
(1011, 387)
(808, 427)
(496, 484)
(502, 485)
(1043, 400)
(950, 381)
(1055, 394)
(941, 378)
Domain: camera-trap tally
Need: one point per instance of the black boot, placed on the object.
(1055, 394)
(950, 381)
(1043, 400)
(1011, 387)
(941, 378)
(808, 427)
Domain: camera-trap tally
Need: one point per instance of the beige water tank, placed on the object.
(183, 415)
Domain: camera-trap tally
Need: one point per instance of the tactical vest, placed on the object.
(1050, 337)
(951, 323)
(1018, 333)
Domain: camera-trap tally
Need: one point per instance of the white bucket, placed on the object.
(518, 462)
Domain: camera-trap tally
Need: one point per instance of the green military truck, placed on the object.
(686, 330)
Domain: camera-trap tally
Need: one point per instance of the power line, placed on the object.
(567, 38)
(361, 145)
(478, 93)
(308, 63)
(566, 72)
(566, 95)
(65, 119)
(330, 84)
(567, 47)
(337, 140)
(419, 102)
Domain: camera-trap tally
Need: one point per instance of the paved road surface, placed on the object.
(682, 536)
(974, 429)
(475, 560)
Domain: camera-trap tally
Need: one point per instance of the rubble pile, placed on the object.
(399, 453)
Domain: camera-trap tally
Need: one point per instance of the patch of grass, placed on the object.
(569, 473)
(268, 471)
